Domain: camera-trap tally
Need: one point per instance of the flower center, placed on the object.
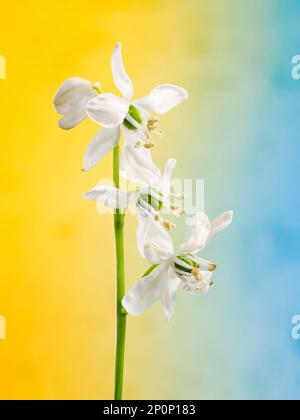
(188, 264)
(154, 202)
(193, 265)
(134, 113)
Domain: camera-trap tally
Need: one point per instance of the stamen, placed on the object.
(202, 262)
(138, 145)
(149, 145)
(153, 126)
(180, 210)
(211, 266)
(168, 225)
(197, 274)
(157, 217)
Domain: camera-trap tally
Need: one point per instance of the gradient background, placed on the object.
(239, 130)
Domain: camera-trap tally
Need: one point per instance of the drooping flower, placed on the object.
(155, 198)
(78, 98)
(171, 268)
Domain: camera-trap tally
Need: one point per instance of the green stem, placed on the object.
(121, 314)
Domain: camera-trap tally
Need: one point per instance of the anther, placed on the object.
(149, 145)
(211, 266)
(196, 273)
(168, 225)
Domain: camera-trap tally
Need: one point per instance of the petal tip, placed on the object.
(168, 317)
(62, 126)
(230, 215)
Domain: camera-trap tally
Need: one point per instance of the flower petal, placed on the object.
(110, 196)
(163, 98)
(167, 176)
(121, 78)
(72, 118)
(153, 242)
(71, 99)
(168, 293)
(103, 142)
(145, 292)
(197, 234)
(223, 221)
(136, 163)
(107, 109)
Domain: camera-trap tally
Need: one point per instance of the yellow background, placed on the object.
(57, 254)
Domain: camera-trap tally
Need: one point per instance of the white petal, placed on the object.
(103, 142)
(72, 118)
(221, 222)
(110, 196)
(107, 109)
(121, 78)
(163, 98)
(167, 176)
(168, 293)
(71, 92)
(145, 292)
(71, 99)
(153, 242)
(136, 163)
(197, 234)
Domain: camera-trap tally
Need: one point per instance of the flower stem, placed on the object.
(121, 314)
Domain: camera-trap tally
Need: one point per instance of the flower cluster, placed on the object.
(78, 99)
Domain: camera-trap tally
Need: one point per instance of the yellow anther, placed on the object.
(211, 267)
(149, 145)
(168, 225)
(197, 274)
(138, 144)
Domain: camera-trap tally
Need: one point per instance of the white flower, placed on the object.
(154, 198)
(171, 268)
(78, 98)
